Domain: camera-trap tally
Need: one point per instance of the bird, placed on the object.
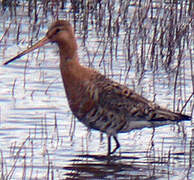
(97, 101)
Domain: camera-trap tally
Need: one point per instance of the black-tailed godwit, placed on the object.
(97, 101)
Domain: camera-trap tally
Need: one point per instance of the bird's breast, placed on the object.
(80, 92)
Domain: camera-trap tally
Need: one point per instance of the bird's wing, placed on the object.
(122, 100)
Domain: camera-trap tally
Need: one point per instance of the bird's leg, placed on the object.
(117, 144)
(109, 145)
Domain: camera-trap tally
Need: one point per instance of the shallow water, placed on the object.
(40, 138)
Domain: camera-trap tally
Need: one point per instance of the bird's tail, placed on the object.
(164, 117)
(184, 117)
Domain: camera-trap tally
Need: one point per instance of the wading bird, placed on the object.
(97, 101)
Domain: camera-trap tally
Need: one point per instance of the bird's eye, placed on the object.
(57, 30)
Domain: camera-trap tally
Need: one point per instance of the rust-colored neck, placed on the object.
(75, 77)
(72, 72)
(68, 50)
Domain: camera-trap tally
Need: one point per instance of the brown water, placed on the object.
(40, 138)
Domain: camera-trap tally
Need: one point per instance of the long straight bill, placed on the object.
(40, 43)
